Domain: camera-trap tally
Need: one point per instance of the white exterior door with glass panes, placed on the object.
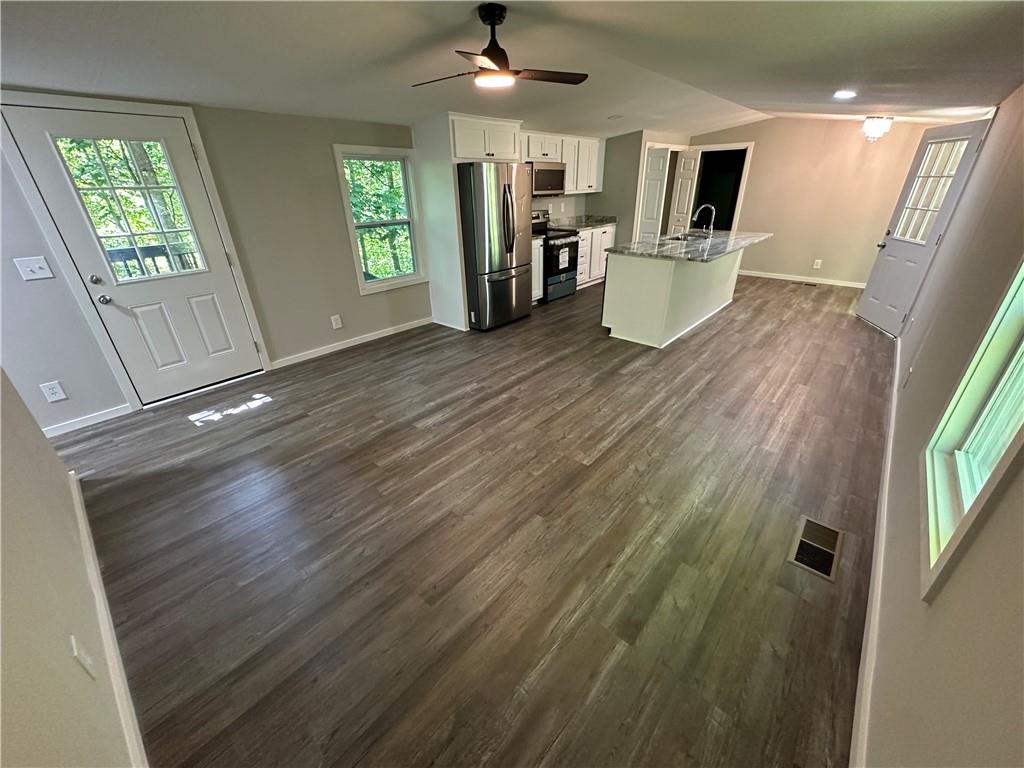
(127, 196)
(937, 176)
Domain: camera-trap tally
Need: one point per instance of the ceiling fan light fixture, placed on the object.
(494, 79)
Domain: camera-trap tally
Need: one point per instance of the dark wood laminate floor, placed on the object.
(535, 546)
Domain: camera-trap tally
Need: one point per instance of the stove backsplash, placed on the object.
(562, 206)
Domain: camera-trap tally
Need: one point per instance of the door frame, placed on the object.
(648, 145)
(747, 145)
(53, 238)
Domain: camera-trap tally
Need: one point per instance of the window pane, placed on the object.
(376, 189)
(118, 163)
(104, 212)
(82, 162)
(133, 203)
(136, 209)
(386, 251)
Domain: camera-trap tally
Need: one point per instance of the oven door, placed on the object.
(548, 179)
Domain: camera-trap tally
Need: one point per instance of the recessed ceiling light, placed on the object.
(844, 93)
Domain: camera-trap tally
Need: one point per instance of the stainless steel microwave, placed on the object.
(548, 179)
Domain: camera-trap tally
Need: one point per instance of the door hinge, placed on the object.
(939, 238)
(256, 345)
(904, 318)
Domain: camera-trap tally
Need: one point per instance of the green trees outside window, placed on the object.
(379, 198)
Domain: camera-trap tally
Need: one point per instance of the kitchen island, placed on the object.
(657, 291)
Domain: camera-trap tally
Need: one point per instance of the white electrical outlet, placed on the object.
(79, 654)
(561, 207)
(336, 322)
(53, 391)
(816, 264)
(33, 268)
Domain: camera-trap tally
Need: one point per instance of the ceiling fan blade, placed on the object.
(478, 60)
(439, 79)
(551, 76)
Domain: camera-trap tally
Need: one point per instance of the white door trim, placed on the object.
(56, 243)
(749, 146)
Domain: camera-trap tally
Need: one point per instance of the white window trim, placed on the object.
(394, 153)
(942, 500)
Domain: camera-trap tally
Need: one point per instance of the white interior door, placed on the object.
(937, 176)
(127, 196)
(652, 194)
(683, 184)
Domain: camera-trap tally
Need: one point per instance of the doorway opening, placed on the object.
(719, 179)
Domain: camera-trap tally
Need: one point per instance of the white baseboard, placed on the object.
(869, 645)
(115, 667)
(309, 354)
(802, 278)
(85, 421)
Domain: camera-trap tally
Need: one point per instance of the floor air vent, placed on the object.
(816, 548)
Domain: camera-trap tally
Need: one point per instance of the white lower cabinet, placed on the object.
(604, 238)
(583, 265)
(537, 268)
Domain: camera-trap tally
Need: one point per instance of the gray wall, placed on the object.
(822, 189)
(44, 333)
(277, 180)
(54, 713)
(622, 156)
(947, 686)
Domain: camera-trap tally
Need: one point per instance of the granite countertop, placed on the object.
(699, 248)
(586, 221)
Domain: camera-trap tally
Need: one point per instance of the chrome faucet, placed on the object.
(711, 228)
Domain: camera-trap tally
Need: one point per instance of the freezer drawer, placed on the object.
(501, 297)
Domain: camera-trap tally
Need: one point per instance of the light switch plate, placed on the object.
(53, 391)
(33, 268)
(336, 322)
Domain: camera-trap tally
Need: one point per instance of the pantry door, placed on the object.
(127, 196)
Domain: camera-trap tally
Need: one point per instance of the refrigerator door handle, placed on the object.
(508, 218)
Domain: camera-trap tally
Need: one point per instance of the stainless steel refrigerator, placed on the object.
(494, 203)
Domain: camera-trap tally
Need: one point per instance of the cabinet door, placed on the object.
(502, 142)
(537, 269)
(570, 156)
(534, 144)
(587, 173)
(604, 239)
(469, 138)
(585, 251)
(553, 148)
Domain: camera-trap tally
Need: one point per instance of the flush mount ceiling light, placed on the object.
(844, 94)
(494, 79)
(876, 127)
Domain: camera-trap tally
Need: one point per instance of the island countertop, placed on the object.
(693, 245)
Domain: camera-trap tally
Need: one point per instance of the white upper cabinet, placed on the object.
(543, 147)
(587, 173)
(484, 139)
(570, 156)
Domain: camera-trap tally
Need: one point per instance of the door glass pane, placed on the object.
(128, 189)
(386, 251)
(933, 180)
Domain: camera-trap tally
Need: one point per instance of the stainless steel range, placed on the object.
(561, 257)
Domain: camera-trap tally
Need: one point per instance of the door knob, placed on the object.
(95, 279)
(881, 244)
(104, 299)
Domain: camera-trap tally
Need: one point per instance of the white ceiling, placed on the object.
(685, 67)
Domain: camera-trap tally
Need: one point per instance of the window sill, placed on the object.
(366, 289)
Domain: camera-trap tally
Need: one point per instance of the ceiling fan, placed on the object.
(492, 62)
